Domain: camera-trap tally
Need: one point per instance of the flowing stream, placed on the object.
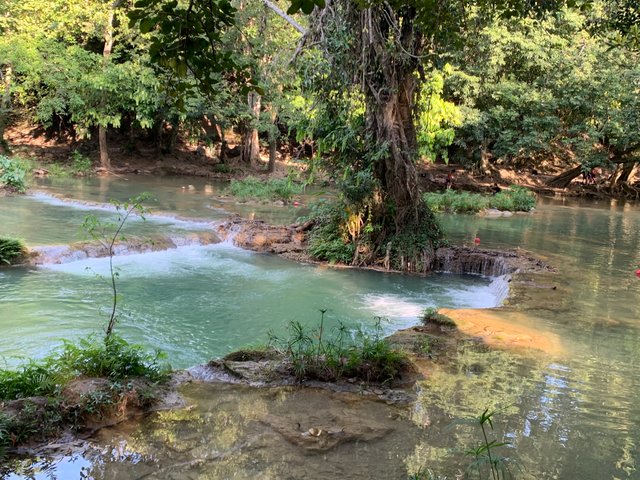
(567, 415)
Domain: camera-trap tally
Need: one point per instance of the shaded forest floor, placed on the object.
(142, 156)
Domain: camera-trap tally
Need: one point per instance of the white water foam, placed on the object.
(179, 221)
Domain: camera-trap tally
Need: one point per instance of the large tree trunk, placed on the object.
(392, 123)
(390, 96)
(5, 106)
(251, 142)
(273, 140)
(565, 178)
(383, 58)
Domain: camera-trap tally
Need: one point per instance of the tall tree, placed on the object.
(377, 51)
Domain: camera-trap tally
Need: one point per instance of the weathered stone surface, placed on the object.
(290, 241)
(57, 254)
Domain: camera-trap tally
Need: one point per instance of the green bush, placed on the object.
(11, 250)
(328, 241)
(273, 189)
(430, 315)
(515, 199)
(112, 358)
(221, 168)
(313, 354)
(13, 173)
(455, 201)
(80, 164)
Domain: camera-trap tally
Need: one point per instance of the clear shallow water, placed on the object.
(573, 415)
(194, 302)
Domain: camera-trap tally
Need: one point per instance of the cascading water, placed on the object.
(568, 415)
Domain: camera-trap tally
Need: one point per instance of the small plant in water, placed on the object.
(488, 463)
(107, 234)
(430, 315)
(342, 354)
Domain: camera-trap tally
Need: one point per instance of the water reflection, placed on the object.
(568, 416)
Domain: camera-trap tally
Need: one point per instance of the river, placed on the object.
(567, 415)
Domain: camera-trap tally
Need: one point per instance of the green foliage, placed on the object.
(11, 250)
(534, 89)
(413, 248)
(454, 201)
(13, 173)
(33, 379)
(80, 164)
(222, 168)
(430, 315)
(329, 239)
(273, 189)
(107, 233)
(437, 118)
(113, 358)
(487, 463)
(515, 199)
(188, 37)
(315, 355)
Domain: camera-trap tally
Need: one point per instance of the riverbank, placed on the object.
(52, 155)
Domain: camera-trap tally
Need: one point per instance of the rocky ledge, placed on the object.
(290, 241)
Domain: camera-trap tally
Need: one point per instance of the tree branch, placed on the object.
(282, 14)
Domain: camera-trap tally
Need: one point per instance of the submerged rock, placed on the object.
(56, 254)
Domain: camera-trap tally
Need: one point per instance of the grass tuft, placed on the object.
(314, 355)
(252, 188)
(515, 199)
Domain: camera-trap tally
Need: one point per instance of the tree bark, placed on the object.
(251, 142)
(622, 174)
(564, 179)
(5, 105)
(278, 11)
(393, 125)
(273, 141)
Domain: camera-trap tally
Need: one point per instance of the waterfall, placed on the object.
(499, 286)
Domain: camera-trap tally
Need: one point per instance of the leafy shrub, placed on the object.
(80, 164)
(32, 379)
(430, 315)
(314, 355)
(516, 199)
(221, 168)
(455, 201)
(273, 189)
(11, 250)
(328, 240)
(113, 358)
(13, 173)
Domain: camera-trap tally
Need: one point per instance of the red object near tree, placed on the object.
(477, 241)
(638, 273)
